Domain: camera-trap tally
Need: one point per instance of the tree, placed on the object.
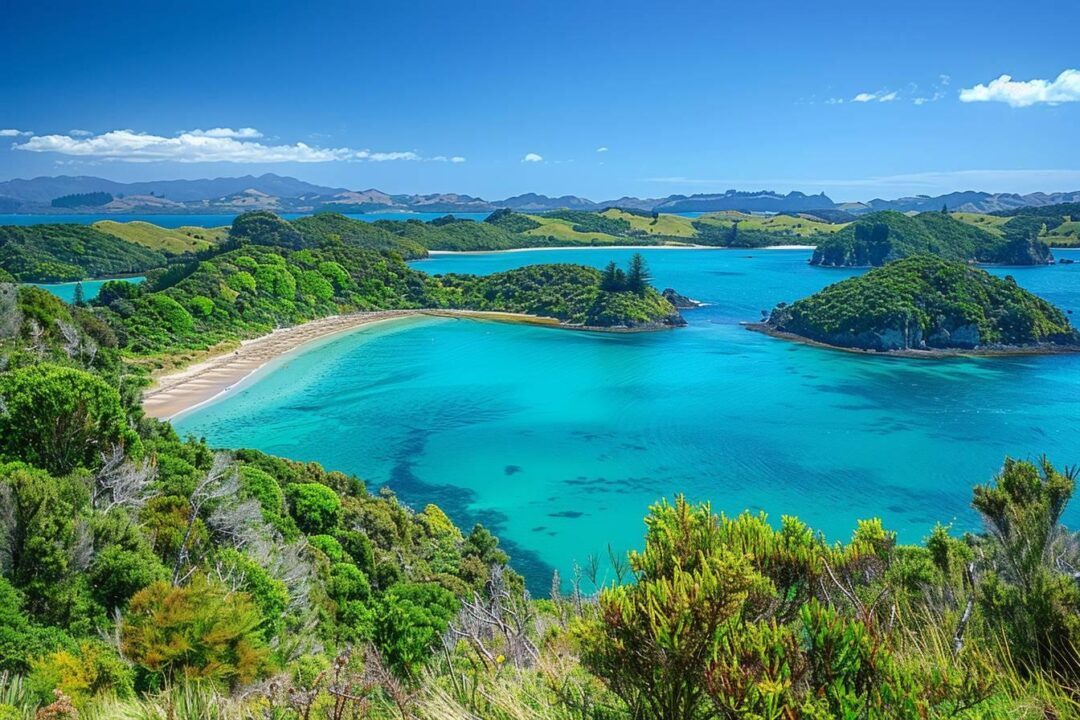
(656, 637)
(201, 631)
(638, 275)
(78, 300)
(1028, 592)
(59, 418)
(613, 279)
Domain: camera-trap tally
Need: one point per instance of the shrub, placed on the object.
(315, 507)
(409, 620)
(92, 671)
(60, 418)
(201, 631)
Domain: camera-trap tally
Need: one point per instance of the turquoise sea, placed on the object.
(559, 441)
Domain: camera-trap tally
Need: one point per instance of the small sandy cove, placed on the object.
(178, 392)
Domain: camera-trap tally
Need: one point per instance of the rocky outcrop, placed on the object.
(679, 301)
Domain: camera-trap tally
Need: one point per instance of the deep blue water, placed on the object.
(561, 440)
(172, 221)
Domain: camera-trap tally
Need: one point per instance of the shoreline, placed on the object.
(181, 391)
(930, 354)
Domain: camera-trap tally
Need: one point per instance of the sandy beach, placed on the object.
(176, 393)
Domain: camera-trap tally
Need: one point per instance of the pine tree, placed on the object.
(638, 276)
(79, 299)
(613, 279)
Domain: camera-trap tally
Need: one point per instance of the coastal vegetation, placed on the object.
(61, 253)
(879, 237)
(924, 302)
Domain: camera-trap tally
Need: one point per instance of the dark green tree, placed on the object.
(79, 299)
(638, 275)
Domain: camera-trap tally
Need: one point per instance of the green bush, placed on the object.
(59, 418)
(200, 631)
(315, 507)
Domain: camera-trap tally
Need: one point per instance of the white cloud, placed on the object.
(76, 132)
(453, 159)
(197, 146)
(532, 157)
(601, 149)
(224, 132)
(1024, 93)
(12, 132)
(880, 96)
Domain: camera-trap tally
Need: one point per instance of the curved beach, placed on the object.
(176, 393)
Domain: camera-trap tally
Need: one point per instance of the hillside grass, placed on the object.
(1065, 235)
(787, 224)
(990, 223)
(563, 231)
(664, 225)
(174, 241)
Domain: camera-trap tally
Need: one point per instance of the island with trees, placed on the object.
(879, 237)
(922, 305)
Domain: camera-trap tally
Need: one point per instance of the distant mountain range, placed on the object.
(286, 194)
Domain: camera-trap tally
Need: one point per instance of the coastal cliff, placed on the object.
(924, 303)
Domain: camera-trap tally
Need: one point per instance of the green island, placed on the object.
(879, 237)
(925, 303)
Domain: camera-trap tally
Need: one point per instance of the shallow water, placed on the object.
(559, 441)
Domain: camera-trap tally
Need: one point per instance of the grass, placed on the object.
(990, 223)
(665, 224)
(798, 226)
(1065, 235)
(175, 241)
(563, 231)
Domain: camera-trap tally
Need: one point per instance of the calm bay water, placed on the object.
(91, 288)
(559, 441)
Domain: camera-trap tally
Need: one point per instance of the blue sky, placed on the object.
(496, 98)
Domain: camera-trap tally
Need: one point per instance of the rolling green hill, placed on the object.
(188, 239)
(925, 302)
